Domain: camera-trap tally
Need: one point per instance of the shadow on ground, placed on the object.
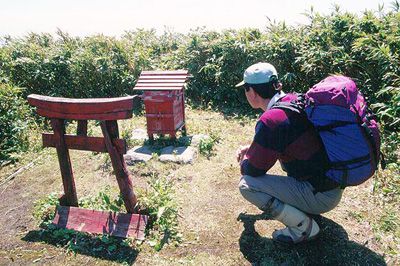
(332, 247)
(105, 248)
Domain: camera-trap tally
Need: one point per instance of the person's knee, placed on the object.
(262, 200)
(327, 203)
(242, 182)
(244, 187)
(247, 191)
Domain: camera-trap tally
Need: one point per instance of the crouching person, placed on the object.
(289, 137)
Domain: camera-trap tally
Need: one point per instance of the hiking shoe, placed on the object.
(300, 227)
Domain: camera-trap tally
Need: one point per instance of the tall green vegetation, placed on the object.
(364, 47)
(14, 121)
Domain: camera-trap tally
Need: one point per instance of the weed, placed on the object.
(206, 145)
(158, 202)
(389, 222)
(106, 165)
(127, 133)
(161, 142)
(386, 228)
(387, 184)
(103, 201)
(43, 209)
(356, 215)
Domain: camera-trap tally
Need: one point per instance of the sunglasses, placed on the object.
(246, 87)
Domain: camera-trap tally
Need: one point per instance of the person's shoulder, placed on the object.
(276, 117)
(273, 117)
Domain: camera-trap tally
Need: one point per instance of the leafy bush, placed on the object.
(96, 66)
(14, 121)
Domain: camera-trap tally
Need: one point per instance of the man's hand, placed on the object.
(241, 152)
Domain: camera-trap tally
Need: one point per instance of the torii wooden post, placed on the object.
(108, 111)
(69, 198)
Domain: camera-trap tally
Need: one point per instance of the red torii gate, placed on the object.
(108, 111)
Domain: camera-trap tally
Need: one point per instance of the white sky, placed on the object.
(85, 17)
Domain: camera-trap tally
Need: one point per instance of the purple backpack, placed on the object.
(347, 128)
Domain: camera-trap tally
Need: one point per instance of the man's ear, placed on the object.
(278, 86)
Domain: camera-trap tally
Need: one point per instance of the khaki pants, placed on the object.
(261, 190)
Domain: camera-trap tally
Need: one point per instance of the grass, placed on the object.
(198, 215)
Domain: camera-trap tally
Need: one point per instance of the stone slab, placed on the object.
(182, 155)
(138, 154)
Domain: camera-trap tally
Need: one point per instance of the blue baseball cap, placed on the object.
(258, 73)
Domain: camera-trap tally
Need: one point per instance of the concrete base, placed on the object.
(138, 154)
(183, 154)
(178, 154)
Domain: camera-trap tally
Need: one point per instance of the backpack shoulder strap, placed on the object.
(297, 105)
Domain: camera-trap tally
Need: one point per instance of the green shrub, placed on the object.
(95, 66)
(14, 122)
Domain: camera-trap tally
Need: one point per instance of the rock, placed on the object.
(178, 154)
(197, 138)
(138, 154)
(139, 134)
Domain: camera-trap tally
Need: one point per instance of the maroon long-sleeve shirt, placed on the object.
(289, 137)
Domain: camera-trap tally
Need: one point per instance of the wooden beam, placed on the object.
(83, 106)
(82, 116)
(101, 222)
(83, 143)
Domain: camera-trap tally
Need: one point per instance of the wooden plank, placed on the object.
(165, 77)
(165, 72)
(101, 222)
(83, 106)
(121, 171)
(77, 116)
(140, 84)
(184, 132)
(157, 88)
(84, 143)
(70, 197)
(161, 81)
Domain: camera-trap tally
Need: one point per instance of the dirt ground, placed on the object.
(219, 227)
